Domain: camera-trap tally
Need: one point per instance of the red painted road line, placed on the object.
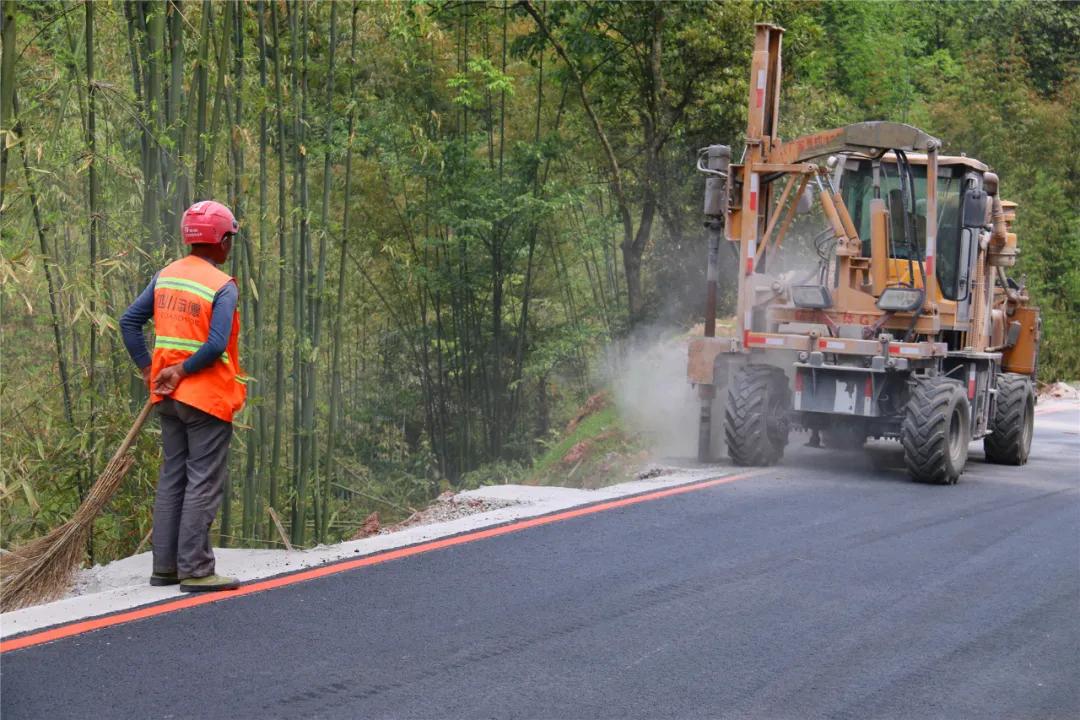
(83, 626)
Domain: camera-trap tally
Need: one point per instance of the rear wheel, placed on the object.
(936, 430)
(1009, 441)
(756, 415)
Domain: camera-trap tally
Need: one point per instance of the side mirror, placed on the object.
(974, 208)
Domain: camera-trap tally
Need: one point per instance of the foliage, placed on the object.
(598, 451)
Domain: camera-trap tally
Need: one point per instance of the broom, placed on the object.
(43, 569)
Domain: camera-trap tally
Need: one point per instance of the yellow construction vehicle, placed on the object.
(872, 297)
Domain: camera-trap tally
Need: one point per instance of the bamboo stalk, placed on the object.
(144, 541)
(47, 262)
(7, 89)
(335, 362)
(283, 254)
(280, 528)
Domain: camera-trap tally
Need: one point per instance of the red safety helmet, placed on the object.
(207, 222)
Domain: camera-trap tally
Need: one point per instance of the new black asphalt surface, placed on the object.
(820, 589)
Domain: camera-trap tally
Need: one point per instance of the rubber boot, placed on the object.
(209, 583)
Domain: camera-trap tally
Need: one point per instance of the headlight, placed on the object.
(811, 296)
(900, 299)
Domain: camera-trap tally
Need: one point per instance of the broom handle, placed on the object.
(107, 482)
(129, 439)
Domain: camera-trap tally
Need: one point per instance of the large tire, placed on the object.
(755, 417)
(936, 430)
(1013, 424)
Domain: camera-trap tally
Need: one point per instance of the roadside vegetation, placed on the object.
(595, 449)
(451, 213)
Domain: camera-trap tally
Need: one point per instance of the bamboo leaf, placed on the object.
(31, 498)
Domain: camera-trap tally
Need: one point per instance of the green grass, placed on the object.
(608, 454)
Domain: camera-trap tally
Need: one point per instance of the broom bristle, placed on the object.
(49, 576)
(43, 569)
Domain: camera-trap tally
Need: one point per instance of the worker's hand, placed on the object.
(146, 376)
(166, 381)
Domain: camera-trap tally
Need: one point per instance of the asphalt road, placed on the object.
(819, 589)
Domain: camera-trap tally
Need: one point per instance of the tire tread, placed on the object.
(745, 429)
(1004, 443)
(925, 430)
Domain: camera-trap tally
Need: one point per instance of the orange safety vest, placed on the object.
(183, 303)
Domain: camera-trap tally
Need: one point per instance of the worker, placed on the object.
(195, 380)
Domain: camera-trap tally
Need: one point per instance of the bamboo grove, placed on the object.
(449, 212)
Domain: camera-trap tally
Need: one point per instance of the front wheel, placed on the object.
(936, 430)
(756, 415)
(1009, 441)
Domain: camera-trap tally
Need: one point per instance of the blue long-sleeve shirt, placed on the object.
(142, 310)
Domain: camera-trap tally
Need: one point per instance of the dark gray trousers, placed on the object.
(189, 490)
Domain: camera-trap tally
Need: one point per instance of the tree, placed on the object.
(651, 70)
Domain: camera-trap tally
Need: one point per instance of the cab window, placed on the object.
(858, 191)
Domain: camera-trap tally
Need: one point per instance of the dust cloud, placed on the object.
(647, 372)
(647, 375)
